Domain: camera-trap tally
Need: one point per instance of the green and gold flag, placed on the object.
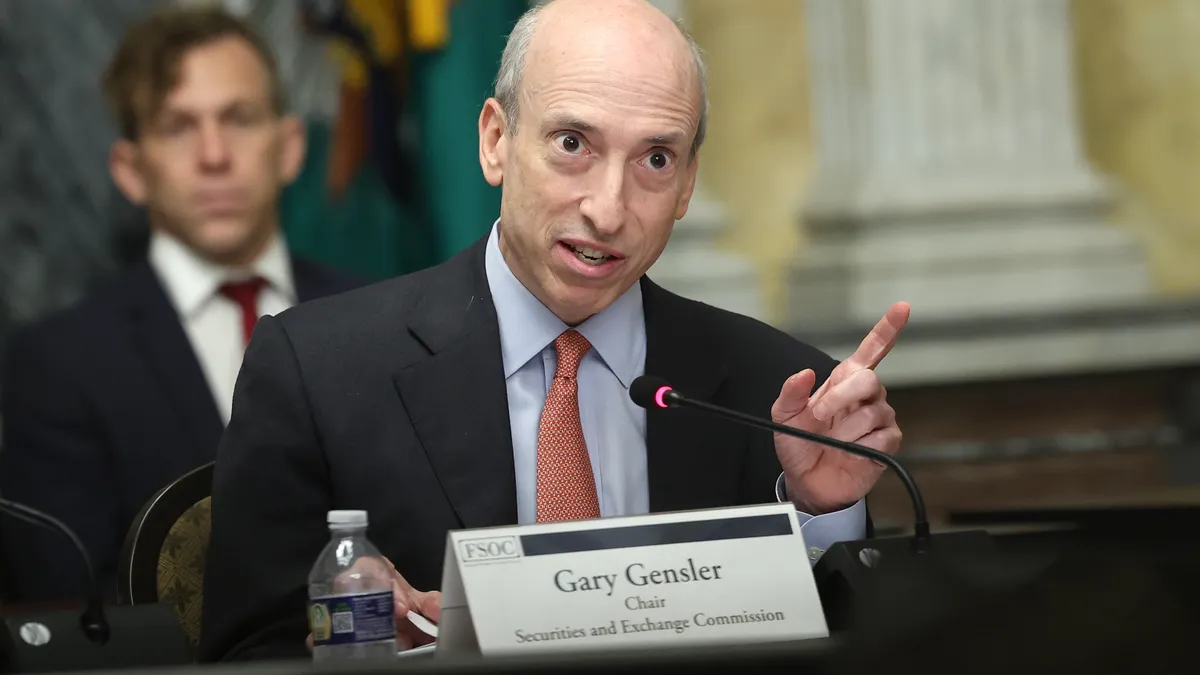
(393, 184)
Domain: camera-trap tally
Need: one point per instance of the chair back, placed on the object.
(166, 548)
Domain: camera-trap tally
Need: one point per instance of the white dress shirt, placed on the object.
(213, 322)
(614, 428)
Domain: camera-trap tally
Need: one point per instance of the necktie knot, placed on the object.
(245, 294)
(571, 347)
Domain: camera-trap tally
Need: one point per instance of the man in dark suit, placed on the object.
(493, 389)
(111, 400)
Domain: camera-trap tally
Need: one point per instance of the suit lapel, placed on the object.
(692, 459)
(456, 397)
(159, 336)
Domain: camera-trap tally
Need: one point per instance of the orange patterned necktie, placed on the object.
(566, 487)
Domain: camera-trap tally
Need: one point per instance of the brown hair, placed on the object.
(145, 67)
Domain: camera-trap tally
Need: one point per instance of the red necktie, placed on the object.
(566, 487)
(245, 294)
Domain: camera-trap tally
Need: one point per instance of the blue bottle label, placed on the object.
(346, 619)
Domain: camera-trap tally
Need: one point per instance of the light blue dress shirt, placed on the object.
(613, 427)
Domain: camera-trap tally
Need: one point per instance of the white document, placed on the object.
(718, 576)
(422, 624)
(425, 626)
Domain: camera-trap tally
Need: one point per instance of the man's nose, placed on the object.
(605, 204)
(214, 151)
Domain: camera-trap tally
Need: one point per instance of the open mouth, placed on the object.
(590, 256)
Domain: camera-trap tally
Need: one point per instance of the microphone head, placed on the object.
(651, 392)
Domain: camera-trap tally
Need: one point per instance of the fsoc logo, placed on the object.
(490, 549)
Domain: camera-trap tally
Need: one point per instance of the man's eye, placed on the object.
(658, 160)
(569, 143)
(173, 126)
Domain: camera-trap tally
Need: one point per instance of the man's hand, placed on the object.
(850, 406)
(425, 603)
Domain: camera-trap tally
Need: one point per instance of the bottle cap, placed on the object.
(348, 518)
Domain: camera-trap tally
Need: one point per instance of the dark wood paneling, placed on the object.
(1030, 408)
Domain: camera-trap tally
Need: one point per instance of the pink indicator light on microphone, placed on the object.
(658, 396)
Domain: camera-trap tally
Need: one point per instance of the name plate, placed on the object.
(713, 576)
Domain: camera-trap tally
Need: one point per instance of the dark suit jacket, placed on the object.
(392, 399)
(102, 405)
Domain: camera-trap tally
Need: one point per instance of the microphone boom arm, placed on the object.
(92, 621)
(921, 531)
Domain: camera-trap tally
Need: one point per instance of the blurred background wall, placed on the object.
(1023, 171)
(62, 225)
(1139, 85)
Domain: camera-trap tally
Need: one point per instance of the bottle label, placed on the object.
(346, 619)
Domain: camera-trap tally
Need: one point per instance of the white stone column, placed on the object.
(949, 169)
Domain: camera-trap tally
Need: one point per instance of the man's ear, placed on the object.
(293, 147)
(123, 166)
(493, 141)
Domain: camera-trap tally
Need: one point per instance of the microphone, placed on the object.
(884, 595)
(62, 640)
(92, 621)
(655, 393)
(860, 582)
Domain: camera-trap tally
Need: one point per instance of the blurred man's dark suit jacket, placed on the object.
(112, 392)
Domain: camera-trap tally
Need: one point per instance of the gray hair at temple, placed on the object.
(512, 67)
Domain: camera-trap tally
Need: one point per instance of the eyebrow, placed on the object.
(665, 139)
(572, 122)
(226, 107)
(569, 122)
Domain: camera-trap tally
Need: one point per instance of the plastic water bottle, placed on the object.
(351, 610)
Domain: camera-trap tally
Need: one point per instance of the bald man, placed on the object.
(493, 389)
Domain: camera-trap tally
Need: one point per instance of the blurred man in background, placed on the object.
(108, 402)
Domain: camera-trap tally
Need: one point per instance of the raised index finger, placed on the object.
(882, 337)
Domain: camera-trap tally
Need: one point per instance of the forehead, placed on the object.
(637, 82)
(218, 73)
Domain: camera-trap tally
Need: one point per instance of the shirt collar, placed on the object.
(527, 326)
(191, 280)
